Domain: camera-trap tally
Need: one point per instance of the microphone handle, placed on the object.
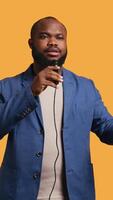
(55, 63)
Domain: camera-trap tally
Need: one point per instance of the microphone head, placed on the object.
(55, 63)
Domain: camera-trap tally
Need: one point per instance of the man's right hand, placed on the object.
(49, 76)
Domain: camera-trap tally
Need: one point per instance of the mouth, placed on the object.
(53, 52)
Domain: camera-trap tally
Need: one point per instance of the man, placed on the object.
(49, 112)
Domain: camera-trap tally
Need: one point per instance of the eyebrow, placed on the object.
(48, 33)
(43, 32)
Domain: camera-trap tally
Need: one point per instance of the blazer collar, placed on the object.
(28, 76)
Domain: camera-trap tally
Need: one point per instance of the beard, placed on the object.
(44, 62)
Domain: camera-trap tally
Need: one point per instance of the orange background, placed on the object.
(90, 48)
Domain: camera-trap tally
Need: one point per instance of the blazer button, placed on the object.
(38, 154)
(36, 175)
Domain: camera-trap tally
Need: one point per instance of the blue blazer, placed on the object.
(21, 117)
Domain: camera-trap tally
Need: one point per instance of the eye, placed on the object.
(43, 36)
(60, 37)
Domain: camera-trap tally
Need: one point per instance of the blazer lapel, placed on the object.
(69, 89)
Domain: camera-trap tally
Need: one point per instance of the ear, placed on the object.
(30, 42)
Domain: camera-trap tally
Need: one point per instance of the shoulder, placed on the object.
(10, 85)
(75, 77)
(84, 85)
(11, 81)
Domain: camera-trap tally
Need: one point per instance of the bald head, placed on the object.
(41, 22)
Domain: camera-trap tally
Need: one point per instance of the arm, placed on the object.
(15, 108)
(102, 121)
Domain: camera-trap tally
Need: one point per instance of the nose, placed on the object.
(52, 42)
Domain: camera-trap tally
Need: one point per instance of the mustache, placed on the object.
(52, 49)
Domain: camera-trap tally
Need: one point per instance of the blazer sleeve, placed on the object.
(102, 120)
(15, 108)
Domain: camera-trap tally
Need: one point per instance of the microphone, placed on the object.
(55, 63)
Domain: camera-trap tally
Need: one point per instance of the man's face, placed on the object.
(49, 43)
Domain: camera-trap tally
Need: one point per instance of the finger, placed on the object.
(52, 84)
(43, 87)
(55, 68)
(55, 77)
